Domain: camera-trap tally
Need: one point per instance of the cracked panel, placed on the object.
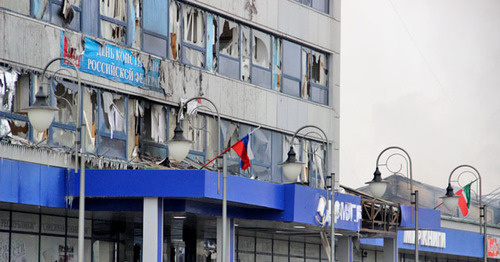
(228, 39)
(261, 147)
(193, 57)
(194, 26)
(319, 71)
(175, 30)
(245, 54)
(305, 85)
(261, 49)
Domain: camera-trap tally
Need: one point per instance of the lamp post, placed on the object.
(41, 115)
(178, 148)
(378, 186)
(292, 168)
(450, 200)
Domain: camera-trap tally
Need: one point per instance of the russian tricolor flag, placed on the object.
(244, 150)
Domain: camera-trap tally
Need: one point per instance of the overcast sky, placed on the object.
(423, 75)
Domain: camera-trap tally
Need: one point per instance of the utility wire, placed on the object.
(420, 51)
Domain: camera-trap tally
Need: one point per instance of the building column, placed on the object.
(391, 249)
(230, 238)
(344, 249)
(152, 229)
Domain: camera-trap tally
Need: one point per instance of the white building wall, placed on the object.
(31, 43)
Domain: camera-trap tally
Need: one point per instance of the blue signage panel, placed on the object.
(428, 218)
(113, 62)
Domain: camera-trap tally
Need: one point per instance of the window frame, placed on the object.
(111, 20)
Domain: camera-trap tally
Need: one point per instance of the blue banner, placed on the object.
(115, 63)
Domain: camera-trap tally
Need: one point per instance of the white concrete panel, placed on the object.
(292, 116)
(212, 90)
(249, 103)
(307, 25)
(21, 7)
(336, 9)
(282, 112)
(272, 113)
(2, 36)
(259, 106)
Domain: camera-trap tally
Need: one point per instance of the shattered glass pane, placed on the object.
(319, 71)
(212, 43)
(261, 172)
(194, 26)
(113, 32)
(261, 146)
(18, 128)
(116, 9)
(113, 147)
(63, 138)
(228, 39)
(113, 112)
(193, 57)
(196, 126)
(65, 96)
(175, 30)
(8, 86)
(158, 123)
(261, 49)
(245, 54)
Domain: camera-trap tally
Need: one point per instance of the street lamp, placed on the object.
(178, 149)
(41, 115)
(378, 186)
(450, 200)
(291, 170)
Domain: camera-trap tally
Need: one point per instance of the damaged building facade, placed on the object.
(271, 64)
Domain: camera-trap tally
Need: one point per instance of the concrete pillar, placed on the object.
(152, 229)
(344, 249)
(391, 249)
(230, 238)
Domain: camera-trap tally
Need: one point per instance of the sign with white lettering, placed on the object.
(493, 243)
(347, 211)
(115, 63)
(425, 238)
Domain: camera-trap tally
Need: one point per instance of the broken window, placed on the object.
(211, 43)
(14, 95)
(319, 78)
(113, 116)
(229, 136)
(245, 54)
(228, 39)
(113, 20)
(174, 29)
(261, 142)
(193, 48)
(261, 59)
(291, 68)
(194, 26)
(316, 164)
(151, 129)
(65, 13)
(195, 128)
(229, 54)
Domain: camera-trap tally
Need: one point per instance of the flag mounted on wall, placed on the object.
(244, 151)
